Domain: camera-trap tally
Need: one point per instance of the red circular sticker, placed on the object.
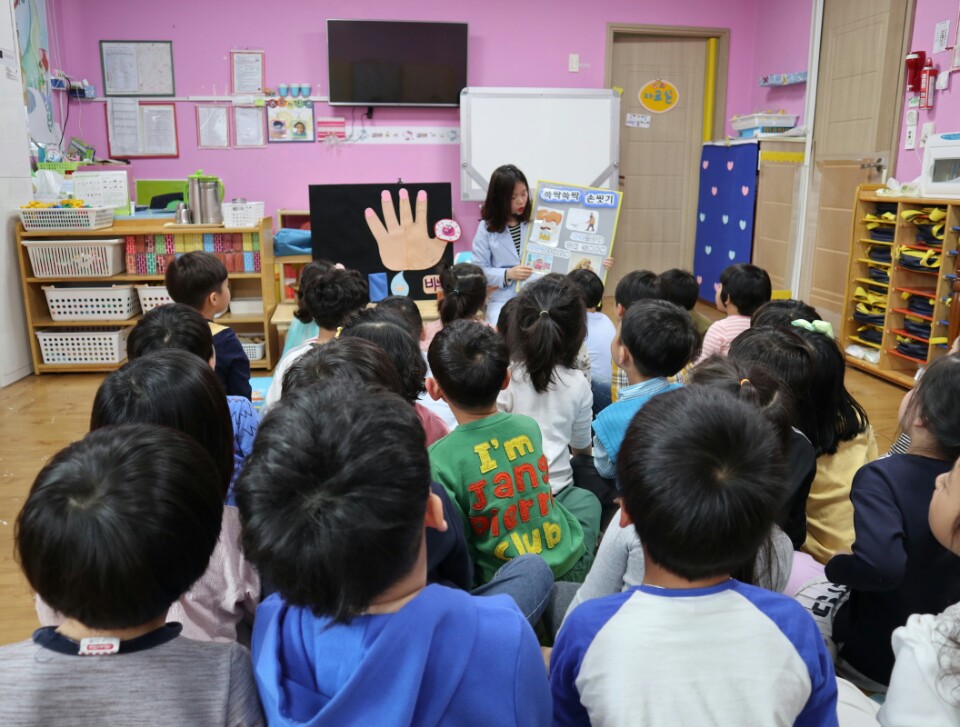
(447, 230)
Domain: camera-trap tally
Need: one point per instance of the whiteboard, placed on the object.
(569, 135)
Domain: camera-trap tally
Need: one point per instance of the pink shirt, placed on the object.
(432, 424)
(720, 335)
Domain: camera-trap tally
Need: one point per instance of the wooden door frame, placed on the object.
(680, 31)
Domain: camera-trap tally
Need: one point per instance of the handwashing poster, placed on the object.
(570, 228)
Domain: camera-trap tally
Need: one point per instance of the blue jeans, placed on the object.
(601, 395)
(527, 579)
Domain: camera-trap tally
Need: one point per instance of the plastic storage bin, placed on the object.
(242, 214)
(75, 258)
(246, 306)
(83, 345)
(253, 347)
(92, 304)
(151, 296)
(66, 218)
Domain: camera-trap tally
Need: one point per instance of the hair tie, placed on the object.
(544, 313)
(823, 327)
(456, 291)
(339, 329)
(744, 381)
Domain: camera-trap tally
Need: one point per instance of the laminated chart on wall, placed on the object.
(725, 212)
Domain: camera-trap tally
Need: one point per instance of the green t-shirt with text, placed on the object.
(496, 475)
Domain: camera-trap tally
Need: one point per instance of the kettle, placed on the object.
(204, 197)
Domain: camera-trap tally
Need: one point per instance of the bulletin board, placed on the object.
(571, 134)
(137, 67)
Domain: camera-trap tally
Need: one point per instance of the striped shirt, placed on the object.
(517, 239)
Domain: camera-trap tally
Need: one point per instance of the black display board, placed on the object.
(339, 229)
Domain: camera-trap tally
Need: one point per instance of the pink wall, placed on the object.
(782, 45)
(946, 110)
(511, 44)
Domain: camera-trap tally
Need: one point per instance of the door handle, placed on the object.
(878, 164)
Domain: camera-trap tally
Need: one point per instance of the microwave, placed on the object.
(940, 176)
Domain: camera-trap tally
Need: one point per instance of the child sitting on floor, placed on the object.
(680, 287)
(742, 289)
(464, 289)
(199, 280)
(338, 488)
(635, 285)
(600, 335)
(180, 327)
(492, 465)
(691, 645)
(116, 527)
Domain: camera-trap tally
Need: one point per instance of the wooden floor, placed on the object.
(42, 414)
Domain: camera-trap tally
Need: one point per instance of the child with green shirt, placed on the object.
(492, 465)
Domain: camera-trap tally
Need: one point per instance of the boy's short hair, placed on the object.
(783, 313)
(660, 336)
(193, 276)
(637, 285)
(172, 326)
(333, 295)
(589, 285)
(407, 309)
(333, 497)
(746, 285)
(120, 524)
(702, 481)
(680, 287)
(362, 363)
(469, 361)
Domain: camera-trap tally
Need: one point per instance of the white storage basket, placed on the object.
(151, 296)
(242, 214)
(253, 347)
(83, 345)
(246, 306)
(66, 218)
(92, 304)
(75, 258)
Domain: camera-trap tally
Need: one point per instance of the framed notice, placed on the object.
(141, 129)
(246, 72)
(137, 67)
(213, 127)
(289, 120)
(248, 128)
(570, 228)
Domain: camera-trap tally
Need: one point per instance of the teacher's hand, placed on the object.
(519, 272)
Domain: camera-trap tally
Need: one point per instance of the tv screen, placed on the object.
(396, 63)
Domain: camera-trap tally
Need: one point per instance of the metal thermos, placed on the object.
(193, 196)
(211, 211)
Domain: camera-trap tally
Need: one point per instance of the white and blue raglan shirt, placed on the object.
(730, 654)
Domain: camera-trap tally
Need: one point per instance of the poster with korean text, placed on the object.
(570, 227)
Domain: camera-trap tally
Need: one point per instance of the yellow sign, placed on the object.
(659, 96)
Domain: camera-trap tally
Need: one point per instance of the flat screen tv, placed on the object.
(396, 63)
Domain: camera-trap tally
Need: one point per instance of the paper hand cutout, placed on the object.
(404, 244)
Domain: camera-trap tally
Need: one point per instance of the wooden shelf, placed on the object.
(892, 375)
(261, 284)
(908, 312)
(895, 352)
(868, 241)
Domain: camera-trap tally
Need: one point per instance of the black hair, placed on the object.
(193, 276)
(120, 524)
(836, 416)
(333, 295)
(935, 403)
(701, 511)
(746, 285)
(469, 361)
(332, 498)
(547, 328)
(680, 287)
(783, 313)
(589, 285)
(175, 389)
(407, 309)
(660, 337)
(308, 274)
(464, 292)
(750, 382)
(637, 285)
(171, 326)
(784, 352)
(362, 363)
(504, 319)
(496, 209)
(392, 333)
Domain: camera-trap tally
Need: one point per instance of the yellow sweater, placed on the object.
(829, 510)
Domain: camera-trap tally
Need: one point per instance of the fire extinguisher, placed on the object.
(928, 79)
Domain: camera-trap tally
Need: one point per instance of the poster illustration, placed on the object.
(289, 120)
(31, 19)
(571, 227)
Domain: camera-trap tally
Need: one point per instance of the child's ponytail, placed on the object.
(464, 292)
(548, 327)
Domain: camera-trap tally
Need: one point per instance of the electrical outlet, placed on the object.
(574, 64)
(910, 141)
(926, 132)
